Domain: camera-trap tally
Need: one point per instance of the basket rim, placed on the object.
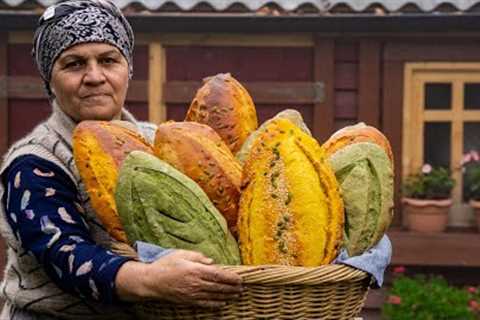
(291, 275)
(281, 274)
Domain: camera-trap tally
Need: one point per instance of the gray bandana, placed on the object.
(79, 21)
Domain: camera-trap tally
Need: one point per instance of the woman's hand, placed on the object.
(182, 277)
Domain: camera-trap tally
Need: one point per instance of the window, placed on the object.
(442, 122)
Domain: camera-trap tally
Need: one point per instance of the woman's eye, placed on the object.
(108, 60)
(73, 64)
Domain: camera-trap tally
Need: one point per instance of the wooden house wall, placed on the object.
(362, 77)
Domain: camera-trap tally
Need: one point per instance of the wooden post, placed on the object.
(3, 93)
(369, 83)
(157, 110)
(392, 122)
(324, 71)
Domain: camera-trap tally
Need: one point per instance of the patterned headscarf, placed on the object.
(79, 21)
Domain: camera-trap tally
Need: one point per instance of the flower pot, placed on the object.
(428, 216)
(475, 204)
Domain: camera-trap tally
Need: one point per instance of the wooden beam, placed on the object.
(437, 249)
(183, 91)
(391, 125)
(369, 83)
(157, 109)
(431, 51)
(32, 88)
(324, 72)
(3, 93)
(261, 92)
(229, 39)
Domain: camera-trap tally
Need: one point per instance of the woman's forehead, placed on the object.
(90, 49)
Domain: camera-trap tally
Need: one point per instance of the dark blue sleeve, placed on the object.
(43, 210)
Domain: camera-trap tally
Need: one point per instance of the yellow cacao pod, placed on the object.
(291, 211)
(198, 152)
(99, 148)
(225, 105)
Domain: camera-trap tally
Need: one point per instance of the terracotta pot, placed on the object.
(428, 216)
(475, 204)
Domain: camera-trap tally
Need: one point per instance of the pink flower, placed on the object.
(395, 300)
(473, 305)
(475, 155)
(426, 168)
(472, 289)
(399, 270)
(467, 158)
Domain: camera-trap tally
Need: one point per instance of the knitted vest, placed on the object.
(25, 284)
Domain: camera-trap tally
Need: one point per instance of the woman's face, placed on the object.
(90, 81)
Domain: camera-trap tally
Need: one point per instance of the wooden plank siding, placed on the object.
(4, 125)
(3, 94)
(369, 75)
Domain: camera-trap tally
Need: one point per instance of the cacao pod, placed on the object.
(357, 133)
(290, 114)
(225, 105)
(366, 179)
(99, 148)
(291, 211)
(198, 151)
(160, 205)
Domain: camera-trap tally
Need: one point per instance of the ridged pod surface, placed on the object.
(365, 175)
(198, 151)
(357, 133)
(99, 148)
(160, 205)
(291, 211)
(225, 105)
(290, 114)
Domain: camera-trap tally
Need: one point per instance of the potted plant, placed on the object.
(427, 199)
(429, 297)
(471, 171)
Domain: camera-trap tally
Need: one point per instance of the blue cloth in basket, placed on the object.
(373, 261)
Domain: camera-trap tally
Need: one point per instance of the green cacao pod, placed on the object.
(365, 174)
(160, 205)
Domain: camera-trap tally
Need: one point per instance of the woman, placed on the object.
(58, 265)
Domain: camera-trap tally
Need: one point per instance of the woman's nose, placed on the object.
(94, 74)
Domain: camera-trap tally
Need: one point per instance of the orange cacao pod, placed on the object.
(357, 133)
(99, 148)
(225, 105)
(198, 152)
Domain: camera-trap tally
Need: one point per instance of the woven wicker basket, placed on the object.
(279, 292)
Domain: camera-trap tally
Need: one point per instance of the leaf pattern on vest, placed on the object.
(25, 200)
(49, 192)
(29, 214)
(40, 173)
(65, 215)
(18, 178)
(85, 268)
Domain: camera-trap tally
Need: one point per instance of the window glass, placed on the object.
(437, 144)
(471, 97)
(438, 96)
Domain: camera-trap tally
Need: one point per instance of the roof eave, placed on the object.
(252, 23)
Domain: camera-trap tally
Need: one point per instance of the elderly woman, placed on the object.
(59, 266)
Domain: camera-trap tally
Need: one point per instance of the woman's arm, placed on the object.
(43, 211)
